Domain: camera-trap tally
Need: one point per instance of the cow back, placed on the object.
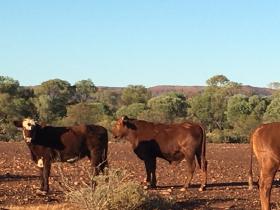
(266, 138)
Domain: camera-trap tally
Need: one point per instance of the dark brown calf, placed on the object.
(265, 142)
(173, 143)
(64, 144)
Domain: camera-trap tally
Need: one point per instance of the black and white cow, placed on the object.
(49, 144)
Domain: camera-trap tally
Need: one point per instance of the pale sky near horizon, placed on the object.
(155, 42)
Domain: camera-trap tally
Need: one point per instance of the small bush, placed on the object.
(226, 136)
(113, 191)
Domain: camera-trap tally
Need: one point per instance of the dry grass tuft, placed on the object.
(112, 191)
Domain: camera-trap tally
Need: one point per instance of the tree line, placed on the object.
(228, 114)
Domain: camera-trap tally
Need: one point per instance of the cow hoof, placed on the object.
(152, 186)
(250, 187)
(201, 189)
(146, 187)
(41, 192)
(183, 189)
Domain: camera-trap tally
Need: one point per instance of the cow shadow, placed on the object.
(276, 183)
(16, 177)
(214, 204)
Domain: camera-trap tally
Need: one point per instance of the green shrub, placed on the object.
(226, 136)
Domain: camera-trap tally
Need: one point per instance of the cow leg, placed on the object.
(44, 174)
(41, 179)
(268, 171)
(190, 170)
(150, 165)
(203, 166)
(96, 161)
(148, 173)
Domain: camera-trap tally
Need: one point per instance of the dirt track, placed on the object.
(227, 177)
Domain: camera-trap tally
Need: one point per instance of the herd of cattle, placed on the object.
(172, 142)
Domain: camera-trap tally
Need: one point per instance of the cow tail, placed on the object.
(203, 150)
(250, 172)
(105, 153)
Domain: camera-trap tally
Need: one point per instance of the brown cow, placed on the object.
(265, 142)
(173, 143)
(64, 144)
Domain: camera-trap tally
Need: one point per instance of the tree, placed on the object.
(135, 94)
(237, 107)
(110, 97)
(209, 108)
(166, 108)
(13, 108)
(274, 85)
(132, 110)
(218, 81)
(54, 88)
(84, 90)
(272, 113)
(86, 113)
(258, 106)
(51, 99)
(8, 85)
(244, 114)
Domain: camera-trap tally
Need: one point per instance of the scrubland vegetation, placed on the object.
(227, 112)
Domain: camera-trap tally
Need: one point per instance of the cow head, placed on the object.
(28, 127)
(120, 128)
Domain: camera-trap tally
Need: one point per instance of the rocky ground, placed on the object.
(227, 177)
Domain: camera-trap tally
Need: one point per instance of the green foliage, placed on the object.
(8, 85)
(111, 98)
(135, 94)
(226, 136)
(209, 108)
(227, 115)
(237, 107)
(54, 88)
(244, 114)
(165, 108)
(13, 108)
(272, 113)
(217, 80)
(51, 99)
(132, 110)
(85, 113)
(259, 106)
(84, 90)
(46, 108)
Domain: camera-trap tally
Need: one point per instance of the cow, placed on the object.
(265, 143)
(48, 144)
(171, 142)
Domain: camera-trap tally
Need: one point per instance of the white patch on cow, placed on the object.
(72, 160)
(28, 124)
(40, 163)
(27, 139)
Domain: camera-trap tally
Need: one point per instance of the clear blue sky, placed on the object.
(148, 42)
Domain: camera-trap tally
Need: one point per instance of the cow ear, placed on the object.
(18, 123)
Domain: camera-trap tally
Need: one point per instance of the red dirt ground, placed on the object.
(227, 177)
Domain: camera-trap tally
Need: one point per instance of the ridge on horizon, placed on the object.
(191, 90)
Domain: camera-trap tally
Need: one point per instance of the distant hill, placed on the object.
(193, 90)
(186, 90)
